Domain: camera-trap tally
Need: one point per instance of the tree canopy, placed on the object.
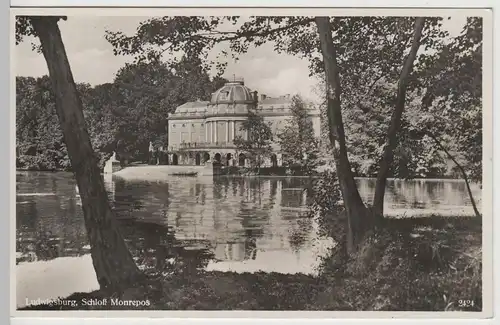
(371, 51)
(122, 116)
(256, 143)
(298, 143)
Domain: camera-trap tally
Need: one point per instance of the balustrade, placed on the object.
(204, 145)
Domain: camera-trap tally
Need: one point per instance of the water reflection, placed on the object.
(236, 224)
(423, 197)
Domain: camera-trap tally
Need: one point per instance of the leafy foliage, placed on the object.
(39, 140)
(326, 205)
(24, 28)
(196, 36)
(123, 116)
(146, 94)
(447, 78)
(297, 141)
(257, 145)
(371, 51)
(452, 105)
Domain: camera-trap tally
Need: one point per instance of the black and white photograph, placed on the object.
(252, 160)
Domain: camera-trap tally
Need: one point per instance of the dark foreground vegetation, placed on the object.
(417, 264)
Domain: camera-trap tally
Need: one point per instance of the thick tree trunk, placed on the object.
(358, 217)
(113, 263)
(462, 171)
(395, 124)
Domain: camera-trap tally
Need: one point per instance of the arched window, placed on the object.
(206, 157)
(217, 157)
(274, 160)
(241, 160)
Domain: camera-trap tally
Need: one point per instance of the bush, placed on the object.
(413, 264)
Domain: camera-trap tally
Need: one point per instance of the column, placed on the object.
(215, 133)
(234, 130)
(206, 131)
(227, 131)
(190, 130)
(211, 132)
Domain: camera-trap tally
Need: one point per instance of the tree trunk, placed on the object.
(113, 263)
(462, 171)
(395, 124)
(358, 217)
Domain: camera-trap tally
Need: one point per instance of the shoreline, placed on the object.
(458, 180)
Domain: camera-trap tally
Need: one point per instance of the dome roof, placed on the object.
(233, 92)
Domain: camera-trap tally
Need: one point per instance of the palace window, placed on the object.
(224, 95)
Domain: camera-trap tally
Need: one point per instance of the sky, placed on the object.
(92, 60)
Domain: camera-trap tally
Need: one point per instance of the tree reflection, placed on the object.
(48, 225)
(156, 250)
(250, 245)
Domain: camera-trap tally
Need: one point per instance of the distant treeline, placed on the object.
(125, 115)
(122, 116)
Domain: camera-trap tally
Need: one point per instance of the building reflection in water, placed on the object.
(237, 251)
(244, 224)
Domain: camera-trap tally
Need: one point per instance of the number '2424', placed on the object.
(465, 303)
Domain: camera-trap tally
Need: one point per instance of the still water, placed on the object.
(226, 224)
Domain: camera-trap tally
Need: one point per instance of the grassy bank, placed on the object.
(420, 264)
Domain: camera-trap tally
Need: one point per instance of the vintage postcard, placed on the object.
(266, 161)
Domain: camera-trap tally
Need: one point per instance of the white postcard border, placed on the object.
(487, 165)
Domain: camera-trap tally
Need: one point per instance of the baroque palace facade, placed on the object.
(203, 131)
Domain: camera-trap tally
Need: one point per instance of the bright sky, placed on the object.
(92, 60)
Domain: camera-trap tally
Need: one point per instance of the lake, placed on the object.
(223, 224)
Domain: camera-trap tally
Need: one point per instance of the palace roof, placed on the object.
(234, 92)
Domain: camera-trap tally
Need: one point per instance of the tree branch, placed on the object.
(462, 171)
(395, 124)
(254, 33)
(370, 88)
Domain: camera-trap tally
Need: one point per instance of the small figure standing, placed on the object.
(151, 153)
(159, 159)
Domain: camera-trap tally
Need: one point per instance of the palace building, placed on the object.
(203, 131)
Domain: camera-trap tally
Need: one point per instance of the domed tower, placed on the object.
(234, 92)
(227, 109)
(206, 130)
